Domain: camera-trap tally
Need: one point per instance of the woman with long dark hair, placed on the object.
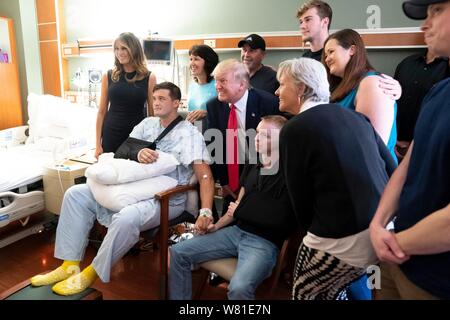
(126, 90)
(355, 84)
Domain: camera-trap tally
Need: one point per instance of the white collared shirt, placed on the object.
(241, 110)
(308, 104)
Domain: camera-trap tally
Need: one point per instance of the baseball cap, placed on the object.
(254, 41)
(417, 9)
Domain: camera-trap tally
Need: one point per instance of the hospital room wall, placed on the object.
(104, 19)
(23, 12)
(383, 60)
(107, 18)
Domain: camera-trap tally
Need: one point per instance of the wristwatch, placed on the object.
(206, 212)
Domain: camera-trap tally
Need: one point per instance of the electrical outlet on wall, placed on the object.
(210, 42)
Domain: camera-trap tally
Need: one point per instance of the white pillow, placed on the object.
(114, 171)
(117, 197)
(51, 116)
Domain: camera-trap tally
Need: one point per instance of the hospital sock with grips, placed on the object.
(76, 283)
(63, 272)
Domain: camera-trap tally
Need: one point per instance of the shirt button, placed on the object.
(416, 82)
(425, 68)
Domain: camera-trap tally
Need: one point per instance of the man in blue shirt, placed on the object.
(416, 258)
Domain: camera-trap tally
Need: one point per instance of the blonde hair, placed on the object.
(239, 70)
(137, 58)
(278, 121)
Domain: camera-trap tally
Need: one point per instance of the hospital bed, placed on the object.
(57, 130)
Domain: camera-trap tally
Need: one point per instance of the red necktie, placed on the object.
(232, 150)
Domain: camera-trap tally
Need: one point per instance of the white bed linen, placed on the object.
(22, 165)
(58, 130)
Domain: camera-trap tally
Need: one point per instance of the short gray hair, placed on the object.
(310, 72)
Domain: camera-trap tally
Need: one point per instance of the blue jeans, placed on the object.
(256, 259)
(358, 290)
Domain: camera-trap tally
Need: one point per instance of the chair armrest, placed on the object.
(163, 198)
(174, 191)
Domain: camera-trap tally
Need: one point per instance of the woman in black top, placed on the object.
(336, 167)
(125, 91)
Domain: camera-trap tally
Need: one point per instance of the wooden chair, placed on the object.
(163, 230)
(226, 268)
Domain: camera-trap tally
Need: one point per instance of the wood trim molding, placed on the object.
(394, 40)
(287, 42)
(47, 32)
(45, 11)
(272, 42)
(11, 113)
(50, 68)
(5, 294)
(96, 43)
(51, 34)
(389, 39)
(61, 31)
(12, 39)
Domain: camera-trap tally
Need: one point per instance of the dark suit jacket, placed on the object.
(259, 104)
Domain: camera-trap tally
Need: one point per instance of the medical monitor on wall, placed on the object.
(158, 51)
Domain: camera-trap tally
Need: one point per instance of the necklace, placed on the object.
(133, 73)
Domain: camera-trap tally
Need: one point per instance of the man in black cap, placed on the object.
(253, 52)
(416, 255)
(417, 9)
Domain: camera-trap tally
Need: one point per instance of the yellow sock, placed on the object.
(76, 283)
(67, 264)
(63, 272)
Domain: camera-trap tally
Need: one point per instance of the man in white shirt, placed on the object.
(249, 106)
